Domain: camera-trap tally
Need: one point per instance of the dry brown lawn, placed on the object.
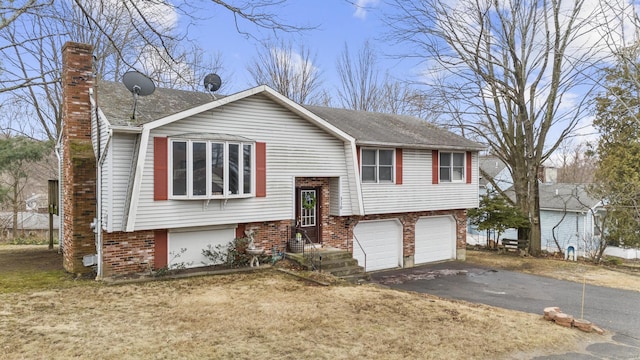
(265, 314)
(579, 271)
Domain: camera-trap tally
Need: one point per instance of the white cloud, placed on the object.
(294, 61)
(362, 7)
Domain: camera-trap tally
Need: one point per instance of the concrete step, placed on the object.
(346, 271)
(339, 263)
(357, 278)
(335, 254)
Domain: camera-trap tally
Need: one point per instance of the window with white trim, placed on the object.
(209, 169)
(377, 165)
(452, 167)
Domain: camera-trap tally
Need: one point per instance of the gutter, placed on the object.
(419, 146)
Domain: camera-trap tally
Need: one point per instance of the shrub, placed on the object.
(232, 255)
(613, 261)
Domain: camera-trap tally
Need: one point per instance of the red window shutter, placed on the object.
(398, 166)
(358, 156)
(468, 167)
(160, 168)
(434, 166)
(261, 169)
(161, 254)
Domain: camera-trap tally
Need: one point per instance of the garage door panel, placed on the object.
(194, 242)
(382, 243)
(435, 239)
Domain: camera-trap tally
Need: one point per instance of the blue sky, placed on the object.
(337, 21)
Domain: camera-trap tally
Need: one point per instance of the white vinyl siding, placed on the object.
(417, 193)
(295, 148)
(99, 128)
(117, 172)
(335, 194)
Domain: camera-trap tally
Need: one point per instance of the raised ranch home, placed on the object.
(191, 170)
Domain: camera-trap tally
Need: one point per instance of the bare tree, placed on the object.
(125, 34)
(17, 155)
(363, 88)
(509, 68)
(291, 73)
(359, 79)
(575, 162)
(397, 97)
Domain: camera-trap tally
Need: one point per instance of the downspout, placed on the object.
(101, 160)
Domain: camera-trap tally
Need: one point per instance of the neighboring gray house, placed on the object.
(492, 167)
(568, 214)
(30, 224)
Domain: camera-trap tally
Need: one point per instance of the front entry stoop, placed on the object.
(337, 262)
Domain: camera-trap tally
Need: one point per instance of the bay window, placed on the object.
(203, 169)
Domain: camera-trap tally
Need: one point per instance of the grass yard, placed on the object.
(265, 314)
(626, 278)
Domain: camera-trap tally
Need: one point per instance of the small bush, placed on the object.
(175, 267)
(232, 255)
(612, 261)
(30, 240)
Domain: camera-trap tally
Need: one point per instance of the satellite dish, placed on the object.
(139, 85)
(212, 82)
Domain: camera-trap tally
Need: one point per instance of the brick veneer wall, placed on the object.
(340, 229)
(127, 252)
(323, 205)
(337, 231)
(268, 234)
(78, 160)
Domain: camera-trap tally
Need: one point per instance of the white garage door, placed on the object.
(435, 239)
(194, 242)
(381, 241)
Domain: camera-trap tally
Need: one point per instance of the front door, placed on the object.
(307, 212)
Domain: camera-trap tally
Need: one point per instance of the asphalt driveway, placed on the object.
(616, 311)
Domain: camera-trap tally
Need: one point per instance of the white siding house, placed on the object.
(188, 170)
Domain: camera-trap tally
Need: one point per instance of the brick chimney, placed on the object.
(78, 160)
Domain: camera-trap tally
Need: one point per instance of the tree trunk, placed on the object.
(535, 234)
(15, 208)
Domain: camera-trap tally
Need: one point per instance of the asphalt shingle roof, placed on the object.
(491, 165)
(368, 128)
(116, 102)
(574, 196)
(391, 129)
